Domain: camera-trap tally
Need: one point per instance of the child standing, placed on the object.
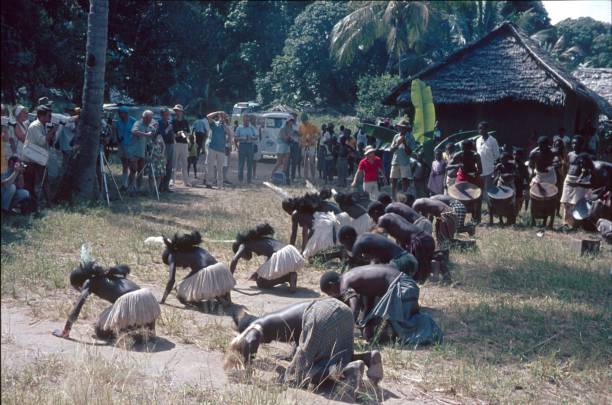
(436, 177)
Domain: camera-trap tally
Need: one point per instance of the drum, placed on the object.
(583, 209)
(501, 200)
(464, 192)
(543, 199)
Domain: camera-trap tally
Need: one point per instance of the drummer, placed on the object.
(580, 167)
(541, 163)
(469, 168)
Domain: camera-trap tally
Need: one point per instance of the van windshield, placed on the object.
(274, 122)
(239, 110)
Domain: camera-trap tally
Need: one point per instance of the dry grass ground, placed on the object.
(527, 319)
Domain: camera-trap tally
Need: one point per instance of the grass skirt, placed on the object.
(572, 194)
(362, 224)
(131, 311)
(285, 261)
(322, 238)
(210, 282)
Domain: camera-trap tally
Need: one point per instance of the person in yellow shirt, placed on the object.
(309, 135)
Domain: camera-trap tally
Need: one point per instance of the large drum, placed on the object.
(467, 193)
(543, 200)
(501, 200)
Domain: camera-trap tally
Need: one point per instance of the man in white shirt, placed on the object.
(488, 149)
(42, 134)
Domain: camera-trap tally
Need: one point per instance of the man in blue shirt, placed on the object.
(246, 136)
(216, 149)
(167, 133)
(123, 135)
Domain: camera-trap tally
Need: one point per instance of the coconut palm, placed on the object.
(399, 22)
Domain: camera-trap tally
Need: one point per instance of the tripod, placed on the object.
(104, 170)
(149, 164)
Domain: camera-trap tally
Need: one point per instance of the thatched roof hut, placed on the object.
(599, 80)
(506, 79)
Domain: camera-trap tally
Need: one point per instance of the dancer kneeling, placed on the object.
(354, 208)
(376, 248)
(388, 298)
(207, 280)
(133, 309)
(322, 332)
(283, 262)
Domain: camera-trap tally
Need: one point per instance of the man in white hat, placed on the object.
(141, 131)
(370, 167)
(180, 127)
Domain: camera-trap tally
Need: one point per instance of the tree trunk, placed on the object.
(399, 63)
(80, 180)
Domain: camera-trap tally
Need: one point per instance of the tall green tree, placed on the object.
(399, 22)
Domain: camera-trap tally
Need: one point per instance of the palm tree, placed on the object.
(399, 22)
(80, 179)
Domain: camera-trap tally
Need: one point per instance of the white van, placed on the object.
(244, 108)
(271, 124)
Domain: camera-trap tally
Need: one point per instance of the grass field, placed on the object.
(526, 319)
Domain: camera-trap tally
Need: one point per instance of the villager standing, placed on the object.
(309, 136)
(180, 126)
(400, 163)
(488, 149)
(574, 186)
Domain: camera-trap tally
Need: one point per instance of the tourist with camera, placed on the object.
(39, 138)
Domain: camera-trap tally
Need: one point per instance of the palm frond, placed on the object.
(358, 30)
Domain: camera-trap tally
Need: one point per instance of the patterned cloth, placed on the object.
(446, 226)
(460, 213)
(326, 341)
(400, 307)
(156, 155)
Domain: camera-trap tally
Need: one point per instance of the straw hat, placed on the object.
(178, 107)
(369, 149)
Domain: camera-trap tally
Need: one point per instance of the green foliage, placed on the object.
(305, 74)
(371, 90)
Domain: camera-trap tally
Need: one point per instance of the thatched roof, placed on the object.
(503, 65)
(598, 80)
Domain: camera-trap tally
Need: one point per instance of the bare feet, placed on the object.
(292, 282)
(353, 377)
(375, 369)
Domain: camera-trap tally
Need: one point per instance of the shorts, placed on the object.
(123, 152)
(310, 151)
(282, 148)
(400, 172)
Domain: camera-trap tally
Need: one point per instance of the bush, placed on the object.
(371, 90)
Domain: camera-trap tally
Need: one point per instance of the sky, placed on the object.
(560, 10)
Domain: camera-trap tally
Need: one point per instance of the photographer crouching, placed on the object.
(14, 196)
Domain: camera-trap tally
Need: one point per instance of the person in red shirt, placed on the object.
(371, 167)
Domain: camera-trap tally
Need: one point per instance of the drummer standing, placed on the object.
(580, 166)
(469, 169)
(541, 159)
(488, 149)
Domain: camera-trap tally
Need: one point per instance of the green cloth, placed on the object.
(399, 307)
(406, 263)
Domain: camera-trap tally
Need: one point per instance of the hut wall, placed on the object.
(514, 122)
